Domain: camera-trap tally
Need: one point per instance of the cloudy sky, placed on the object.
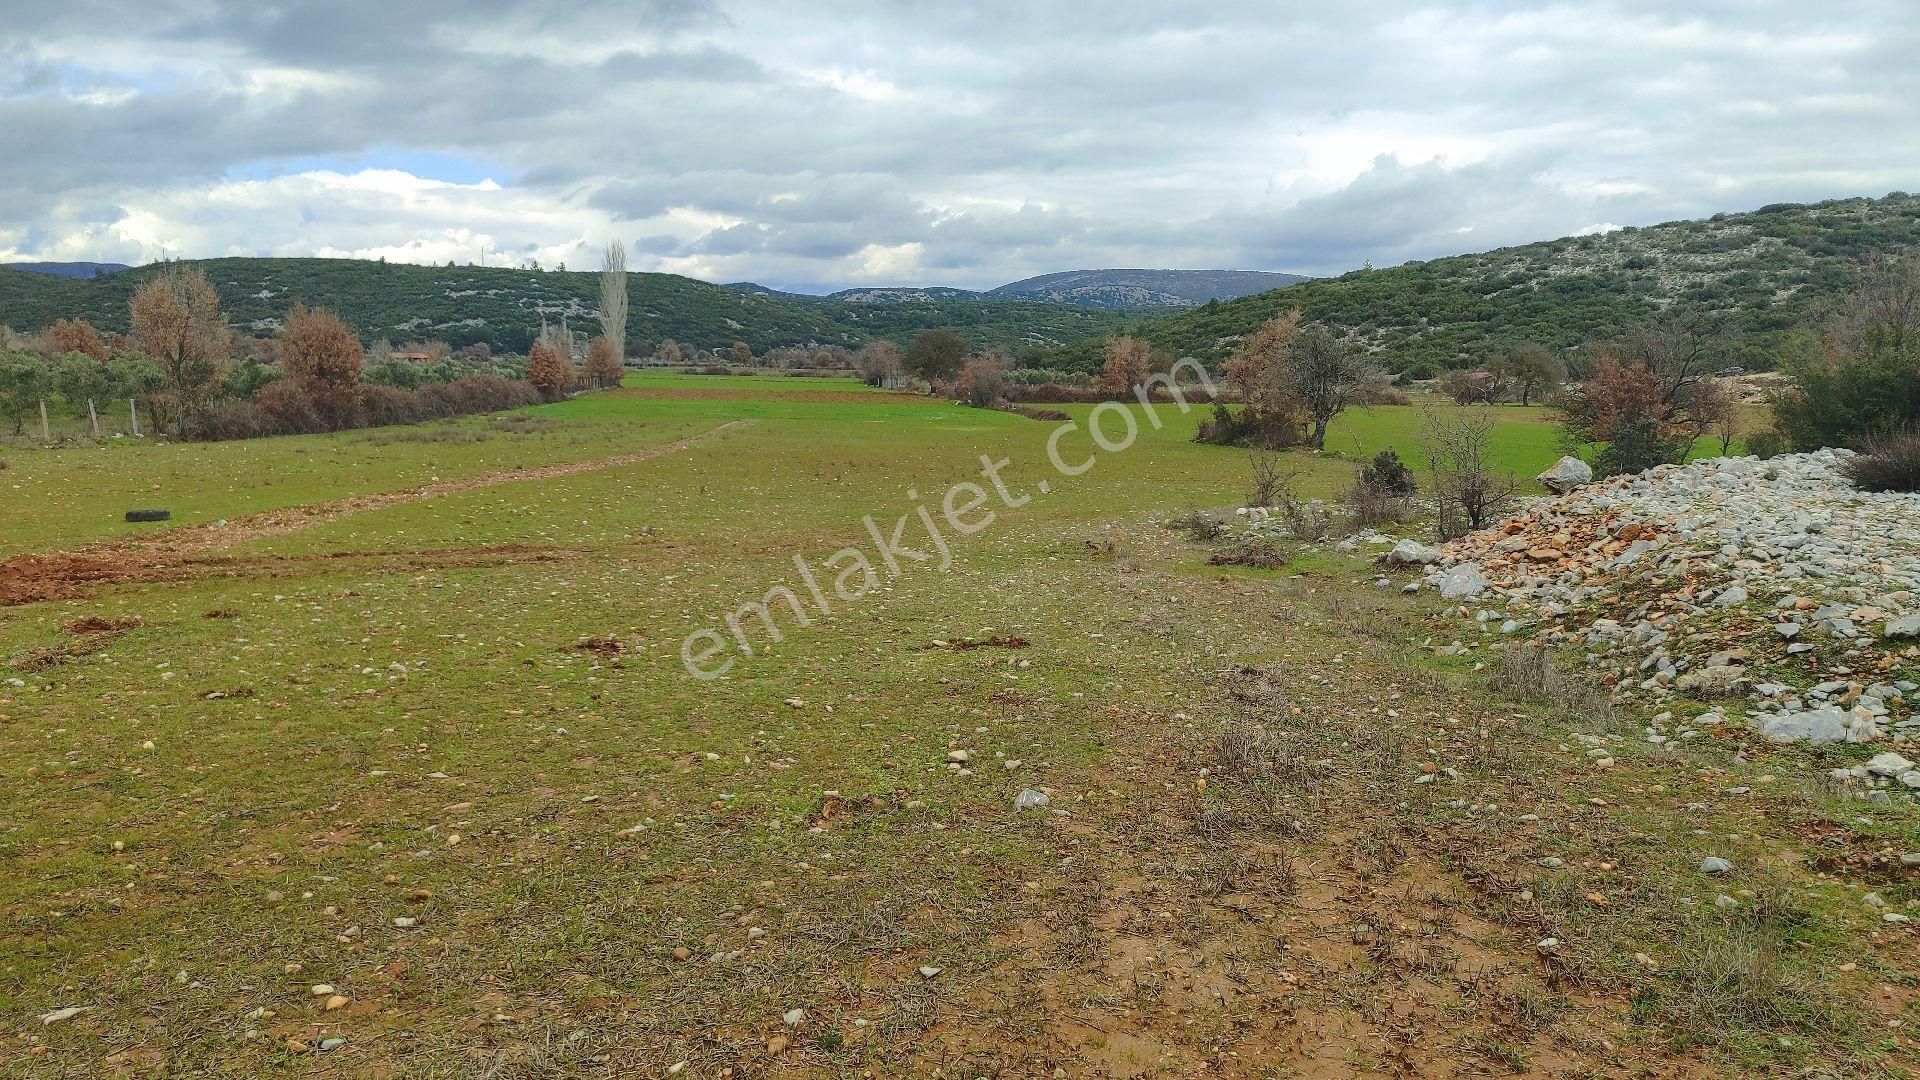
(824, 144)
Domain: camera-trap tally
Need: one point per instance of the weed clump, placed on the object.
(1530, 673)
(1257, 550)
(1197, 525)
(1733, 978)
(1887, 464)
(1051, 416)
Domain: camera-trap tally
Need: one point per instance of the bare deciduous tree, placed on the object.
(983, 381)
(1268, 471)
(1328, 375)
(613, 299)
(1883, 313)
(1715, 407)
(1680, 351)
(878, 362)
(177, 321)
(1468, 490)
(558, 337)
(603, 368)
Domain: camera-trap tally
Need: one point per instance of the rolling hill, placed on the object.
(904, 295)
(69, 269)
(1754, 275)
(1127, 289)
(504, 307)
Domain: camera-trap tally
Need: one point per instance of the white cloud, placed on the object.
(369, 214)
(858, 84)
(842, 143)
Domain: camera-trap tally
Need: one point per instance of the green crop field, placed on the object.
(419, 783)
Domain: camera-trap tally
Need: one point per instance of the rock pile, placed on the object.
(1732, 578)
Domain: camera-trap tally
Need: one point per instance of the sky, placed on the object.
(823, 145)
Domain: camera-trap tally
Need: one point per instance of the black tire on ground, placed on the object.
(149, 515)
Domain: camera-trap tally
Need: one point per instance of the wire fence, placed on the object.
(61, 425)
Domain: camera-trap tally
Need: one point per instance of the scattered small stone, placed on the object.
(1713, 864)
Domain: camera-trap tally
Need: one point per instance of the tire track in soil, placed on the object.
(190, 551)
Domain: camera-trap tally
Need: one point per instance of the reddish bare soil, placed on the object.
(186, 553)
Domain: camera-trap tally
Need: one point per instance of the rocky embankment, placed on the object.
(1724, 591)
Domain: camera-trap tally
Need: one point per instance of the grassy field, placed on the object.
(422, 787)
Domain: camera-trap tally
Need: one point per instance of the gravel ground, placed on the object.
(1731, 589)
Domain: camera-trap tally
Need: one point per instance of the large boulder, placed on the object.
(1889, 764)
(1567, 473)
(1462, 582)
(1818, 726)
(1905, 626)
(1413, 553)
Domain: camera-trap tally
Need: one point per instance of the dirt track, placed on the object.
(188, 552)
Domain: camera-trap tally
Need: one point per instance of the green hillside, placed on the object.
(1755, 274)
(504, 307)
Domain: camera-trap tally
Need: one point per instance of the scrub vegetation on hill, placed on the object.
(1752, 276)
(505, 308)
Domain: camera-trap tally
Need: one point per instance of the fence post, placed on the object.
(134, 411)
(46, 435)
(93, 418)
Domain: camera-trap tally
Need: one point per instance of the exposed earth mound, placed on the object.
(1730, 588)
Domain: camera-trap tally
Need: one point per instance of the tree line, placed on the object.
(1642, 398)
(193, 376)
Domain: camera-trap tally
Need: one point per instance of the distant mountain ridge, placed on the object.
(1111, 290)
(81, 270)
(1122, 289)
(908, 295)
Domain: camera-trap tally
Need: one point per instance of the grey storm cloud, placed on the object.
(968, 144)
